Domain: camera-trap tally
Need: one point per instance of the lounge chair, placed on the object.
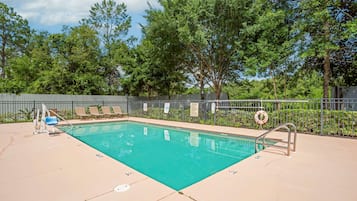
(95, 112)
(81, 112)
(117, 111)
(107, 112)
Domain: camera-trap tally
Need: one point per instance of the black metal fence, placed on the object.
(20, 111)
(317, 116)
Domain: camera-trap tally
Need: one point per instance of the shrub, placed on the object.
(333, 122)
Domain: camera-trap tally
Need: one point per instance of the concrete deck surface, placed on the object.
(59, 167)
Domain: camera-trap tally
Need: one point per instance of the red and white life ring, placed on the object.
(257, 117)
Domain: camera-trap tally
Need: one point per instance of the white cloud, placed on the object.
(60, 12)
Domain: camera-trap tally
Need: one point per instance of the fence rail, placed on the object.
(316, 116)
(19, 111)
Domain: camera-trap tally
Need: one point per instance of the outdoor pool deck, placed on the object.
(59, 167)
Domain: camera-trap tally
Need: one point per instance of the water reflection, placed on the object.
(166, 135)
(145, 131)
(189, 157)
(128, 139)
(194, 139)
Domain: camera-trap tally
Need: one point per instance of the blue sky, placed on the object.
(51, 15)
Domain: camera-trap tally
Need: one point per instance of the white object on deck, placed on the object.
(40, 124)
(122, 188)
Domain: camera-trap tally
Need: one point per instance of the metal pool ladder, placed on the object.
(261, 138)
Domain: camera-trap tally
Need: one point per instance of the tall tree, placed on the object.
(320, 28)
(110, 20)
(268, 40)
(23, 69)
(214, 42)
(189, 15)
(198, 37)
(344, 61)
(224, 25)
(166, 53)
(112, 23)
(75, 65)
(14, 35)
(139, 79)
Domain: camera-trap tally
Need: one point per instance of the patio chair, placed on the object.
(107, 112)
(81, 112)
(117, 111)
(95, 112)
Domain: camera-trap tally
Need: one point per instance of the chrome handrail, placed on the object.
(62, 118)
(295, 135)
(285, 126)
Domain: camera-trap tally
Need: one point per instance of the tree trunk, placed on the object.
(169, 90)
(3, 57)
(285, 89)
(327, 67)
(202, 87)
(218, 88)
(327, 74)
(274, 84)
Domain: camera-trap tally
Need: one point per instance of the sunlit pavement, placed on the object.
(59, 167)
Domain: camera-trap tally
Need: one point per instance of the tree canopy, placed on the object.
(245, 48)
(14, 34)
(321, 27)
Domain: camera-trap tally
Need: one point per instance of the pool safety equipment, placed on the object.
(40, 123)
(257, 118)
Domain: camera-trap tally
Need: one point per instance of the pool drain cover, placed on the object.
(122, 188)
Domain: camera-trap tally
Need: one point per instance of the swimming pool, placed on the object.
(175, 157)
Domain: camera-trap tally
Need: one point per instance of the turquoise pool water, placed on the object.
(172, 156)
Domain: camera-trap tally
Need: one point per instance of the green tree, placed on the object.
(166, 53)
(306, 83)
(320, 30)
(24, 69)
(197, 39)
(75, 66)
(211, 37)
(224, 23)
(139, 79)
(267, 40)
(14, 36)
(83, 61)
(189, 16)
(111, 22)
(344, 61)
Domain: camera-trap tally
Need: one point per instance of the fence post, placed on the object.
(142, 108)
(215, 112)
(72, 109)
(34, 109)
(182, 108)
(127, 104)
(205, 110)
(161, 111)
(321, 116)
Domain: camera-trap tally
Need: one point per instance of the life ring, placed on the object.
(261, 121)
